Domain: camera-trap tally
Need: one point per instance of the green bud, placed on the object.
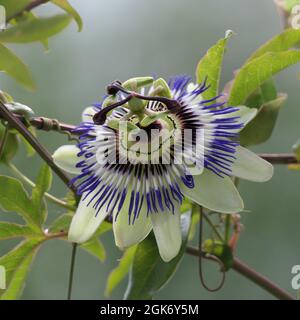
(20, 109)
(161, 88)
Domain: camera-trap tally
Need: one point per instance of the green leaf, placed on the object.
(11, 230)
(17, 264)
(210, 66)
(14, 6)
(282, 42)
(149, 273)
(289, 4)
(65, 5)
(10, 147)
(104, 227)
(261, 127)
(13, 197)
(29, 15)
(257, 71)
(95, 248)
(120, 272)
(61, 224)
(15, 68)
(42, 185)
(35, 30)
(265, 93)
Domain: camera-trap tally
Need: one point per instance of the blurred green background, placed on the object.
(126, 38)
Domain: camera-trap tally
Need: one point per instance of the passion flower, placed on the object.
(148, 145)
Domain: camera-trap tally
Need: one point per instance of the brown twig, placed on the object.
(279, 158)
(28, 8)
(250, 274)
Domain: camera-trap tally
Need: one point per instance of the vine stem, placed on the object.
(72, 267)
(49, 196)
(251, 274)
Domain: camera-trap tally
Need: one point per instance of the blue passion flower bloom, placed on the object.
(145, 192)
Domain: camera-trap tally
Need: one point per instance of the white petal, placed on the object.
(127, 234)
(250, 166)
(88, 113)
(85, 221)
(65, 157)
(167, 231)
(215, 193)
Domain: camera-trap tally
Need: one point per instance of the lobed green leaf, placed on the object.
(10, 230)
(17, 265)
(13, 197)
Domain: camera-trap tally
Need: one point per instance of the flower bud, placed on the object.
(65, 157)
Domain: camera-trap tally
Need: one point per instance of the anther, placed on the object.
(113, 88)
